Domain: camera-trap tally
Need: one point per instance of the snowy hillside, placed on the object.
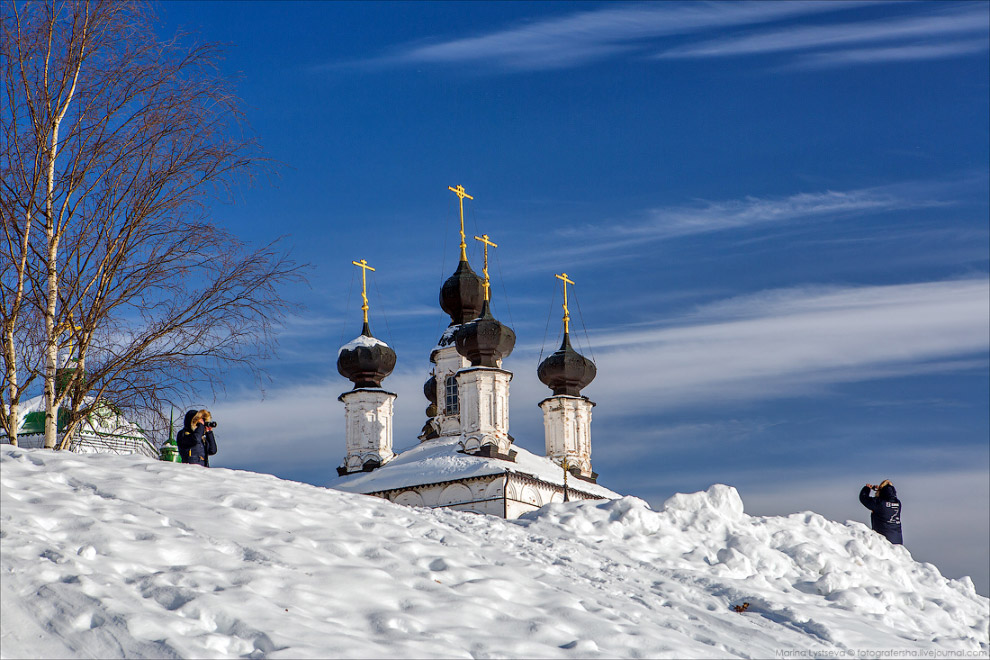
(112, 556)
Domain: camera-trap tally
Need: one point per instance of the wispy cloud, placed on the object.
(939, 30)
(795, 342)
(639, 30)
(589, 36)
(706, 216)
(902, 53)
(732, 214)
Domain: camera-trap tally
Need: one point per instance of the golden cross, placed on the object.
(363, 265)
(459, 191)
(567, 314)
(484, 239)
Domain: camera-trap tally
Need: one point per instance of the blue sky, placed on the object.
(776, 215)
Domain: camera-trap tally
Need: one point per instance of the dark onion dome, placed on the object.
(430, 389)
(365, 361)
(430, 430)
(462, 294)
(566, 371)
(484, 340)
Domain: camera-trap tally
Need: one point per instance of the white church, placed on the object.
(466, 459)
(104, 430)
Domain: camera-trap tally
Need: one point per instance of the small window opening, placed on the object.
(451, 406)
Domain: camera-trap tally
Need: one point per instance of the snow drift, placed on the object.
(117, 556)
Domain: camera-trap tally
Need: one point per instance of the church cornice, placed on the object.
(461, 480)
(521, 476)
(365, 389)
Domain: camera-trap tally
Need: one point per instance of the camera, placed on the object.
(210, 425)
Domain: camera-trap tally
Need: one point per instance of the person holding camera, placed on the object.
(885, 510)
(195, 441)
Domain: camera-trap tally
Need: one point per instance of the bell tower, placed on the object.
(461, 297)
(484, 385)
(567, 414)
(366, 361)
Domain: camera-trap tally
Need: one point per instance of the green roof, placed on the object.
(34, 424)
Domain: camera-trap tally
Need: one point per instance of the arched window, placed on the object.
(451, 407)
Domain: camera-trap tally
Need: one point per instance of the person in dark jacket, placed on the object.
(195, 441)
(886, 510)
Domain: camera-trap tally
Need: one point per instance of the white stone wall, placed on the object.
(484, 393)
(368, 420)
(567, 430)
(108, 445)
(448, 363)
(526, 495)
(86, 443)
(479, 495)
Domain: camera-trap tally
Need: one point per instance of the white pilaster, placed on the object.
(484, 398)
(368, 416)
(567, 431)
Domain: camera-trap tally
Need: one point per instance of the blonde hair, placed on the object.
(201, 416)
(885, 482)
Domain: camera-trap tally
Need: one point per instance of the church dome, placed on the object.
(566, 371)
(365, 361)
(430, 389)
(462, 295)
(484, 340)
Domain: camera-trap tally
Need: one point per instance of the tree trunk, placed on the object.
(52, 235)
(51, 296)
(15, 408)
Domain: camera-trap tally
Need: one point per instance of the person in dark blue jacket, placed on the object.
(195, 441)
(886, 510)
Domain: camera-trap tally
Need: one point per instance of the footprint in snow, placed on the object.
(580, 645)
(171, 598)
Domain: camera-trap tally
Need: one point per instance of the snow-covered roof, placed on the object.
(447, 338)
(361, 340)
(102, 421)
(437, 461)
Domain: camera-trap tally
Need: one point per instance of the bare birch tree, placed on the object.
(114, 142)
